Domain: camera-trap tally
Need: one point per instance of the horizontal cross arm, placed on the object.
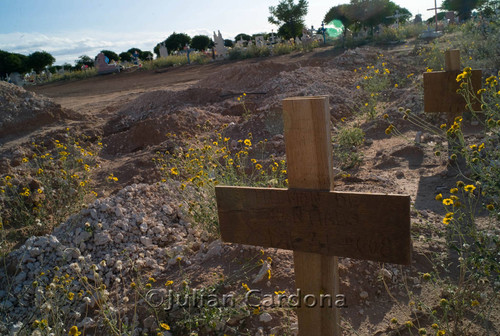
(357, 225)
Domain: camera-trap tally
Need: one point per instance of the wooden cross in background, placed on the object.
(440, 88)
(315, 222)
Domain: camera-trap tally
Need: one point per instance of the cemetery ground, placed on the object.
(116, 186)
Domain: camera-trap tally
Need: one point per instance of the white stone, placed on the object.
(363, 295)
(119, 212)
(263, 272)
(102, 238)
(146, 241)
(265, 317)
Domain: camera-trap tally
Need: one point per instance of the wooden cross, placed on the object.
(435, 9)
(315, 222)
(440, 88)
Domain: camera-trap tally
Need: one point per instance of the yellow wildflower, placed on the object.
(469, 188)
(439, 197)
(165, 326)
(247, 142)
(447, 201)
(73, 331)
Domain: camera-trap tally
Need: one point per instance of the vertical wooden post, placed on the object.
(452, 63)
(309, 157)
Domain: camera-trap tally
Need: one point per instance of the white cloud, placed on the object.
(68, 47)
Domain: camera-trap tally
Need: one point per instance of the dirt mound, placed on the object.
(24, 111)
(246, 77)
(148, 132)
(353, 58)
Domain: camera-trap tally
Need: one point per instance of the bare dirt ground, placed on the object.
(133, 112)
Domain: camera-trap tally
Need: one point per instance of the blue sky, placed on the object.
(69, 28)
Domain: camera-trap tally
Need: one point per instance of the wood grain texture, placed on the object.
(440, 91)
(308, 143)
(355, 225)
(452, 60)
(309, 165)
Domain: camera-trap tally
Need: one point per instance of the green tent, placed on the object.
(334, 28)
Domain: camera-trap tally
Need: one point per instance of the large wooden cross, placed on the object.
(440, 88)
(315, 222)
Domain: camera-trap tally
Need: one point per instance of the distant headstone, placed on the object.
(259, 41)
(272, 38)
(240, 43)
(430, 34)
(220, 48)
(103, 67)
(163, 50)
(418, 19)
(298, 41)
(250, 43)
(61, 72)
(16, 78)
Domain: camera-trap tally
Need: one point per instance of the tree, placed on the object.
(125, 57)
(84, 60)
(228, 43)
(177, 41)
(289, 17)
(12, 62)
(111, 55)
(156, 50)
(392, 8)
(145, 55)
(245, 37)
(431, 20)
(463, 7)
(200, 42)
(132, 51)
(39, 60)
(368, 13)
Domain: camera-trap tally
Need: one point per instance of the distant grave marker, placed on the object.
(440, 88)
(163, 50)
(220, 48)
(16, 78)
(396, 16)
(103, 67)
(259, 41)
(316, 223)
(240, 43)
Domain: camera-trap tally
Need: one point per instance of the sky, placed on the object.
(68, 28)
